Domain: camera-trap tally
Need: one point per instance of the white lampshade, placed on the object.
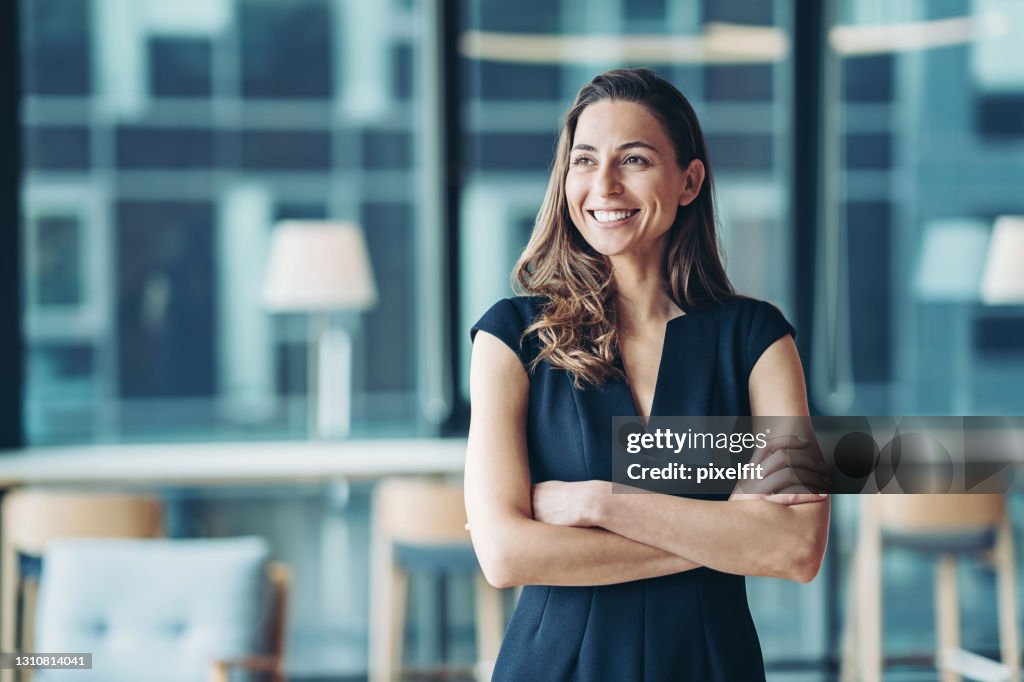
(1004, 269)
(318, 265)
(952, 260)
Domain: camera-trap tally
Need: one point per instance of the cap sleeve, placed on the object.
(767, 326)
(504, 322)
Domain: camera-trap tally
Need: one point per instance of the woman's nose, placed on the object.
(607, 181)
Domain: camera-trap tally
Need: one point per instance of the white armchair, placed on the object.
(160, 610)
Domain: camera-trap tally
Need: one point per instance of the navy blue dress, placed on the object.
(690, 626)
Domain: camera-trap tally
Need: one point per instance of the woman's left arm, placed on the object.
(743, 536)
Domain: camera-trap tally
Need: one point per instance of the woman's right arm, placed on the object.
(513, 548)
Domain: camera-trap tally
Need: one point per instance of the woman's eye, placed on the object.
(582, 161)
(634, 159)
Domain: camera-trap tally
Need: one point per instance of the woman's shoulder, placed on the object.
(520, 311)
(508, 319)
(528, 307)
(749, 326)
(746, 312)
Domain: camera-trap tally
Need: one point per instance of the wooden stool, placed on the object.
(33, 517)
(422, 523)
(945, 525)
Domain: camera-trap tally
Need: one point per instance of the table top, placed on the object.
(227, 463)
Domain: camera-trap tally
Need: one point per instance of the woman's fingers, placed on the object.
(774, 444)
(791, 499)
(804, 458)
(787, 463)
(792, 477)
(794, 474)
(787, 498)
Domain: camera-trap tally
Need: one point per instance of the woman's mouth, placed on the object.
(616, 217)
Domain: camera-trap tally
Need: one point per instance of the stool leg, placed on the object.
(27, 633)
(947, 607)
(380, 608)
(490, 627)
(389, 586)
(8, 604)
(869, 589)
(1006, 581)
(848, 659)
(396, 636)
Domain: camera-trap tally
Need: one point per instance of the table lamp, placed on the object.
(318, 267)
(1003, 281)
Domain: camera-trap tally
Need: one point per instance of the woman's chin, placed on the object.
(610, 247)
(609, 252)
(616, 249)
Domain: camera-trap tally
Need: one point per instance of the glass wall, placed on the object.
(924, 152)
(163, 141)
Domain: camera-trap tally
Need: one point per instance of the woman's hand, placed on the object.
(561, 503)
(793, 472)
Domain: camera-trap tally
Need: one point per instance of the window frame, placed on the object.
(12, 352)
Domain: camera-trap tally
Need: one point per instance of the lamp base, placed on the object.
(334, 384)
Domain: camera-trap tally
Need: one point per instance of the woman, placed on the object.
(630, 313)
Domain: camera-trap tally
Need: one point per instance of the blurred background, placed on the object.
(868, 155)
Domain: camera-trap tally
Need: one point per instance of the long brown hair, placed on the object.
(576, 328)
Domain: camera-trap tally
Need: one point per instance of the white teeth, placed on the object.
(612, 216)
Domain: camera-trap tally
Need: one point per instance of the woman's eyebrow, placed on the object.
(625, 145)
(634, 144)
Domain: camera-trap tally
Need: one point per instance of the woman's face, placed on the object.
(624, 185)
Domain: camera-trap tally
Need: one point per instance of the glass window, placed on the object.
(285, 49)
(57, 47)
(926, 149)
(162, 146)
(57, 148)
(923, 152)
(181, 67)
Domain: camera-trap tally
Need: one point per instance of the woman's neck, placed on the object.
(641, 296)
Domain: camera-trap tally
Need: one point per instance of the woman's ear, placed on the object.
(693, 180)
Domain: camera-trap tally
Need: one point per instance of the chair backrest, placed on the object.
(34, 517)
(155, 610)
(939, 513)
(420, 511)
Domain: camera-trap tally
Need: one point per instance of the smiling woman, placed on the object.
(624, 195)
(629, 143)
(629, 312)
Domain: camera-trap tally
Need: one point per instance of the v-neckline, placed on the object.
(658, 379)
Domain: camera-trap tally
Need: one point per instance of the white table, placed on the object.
(228, 463)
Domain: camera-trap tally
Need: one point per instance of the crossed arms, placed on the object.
(559, 533)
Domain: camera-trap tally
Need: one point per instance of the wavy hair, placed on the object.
(577, 328)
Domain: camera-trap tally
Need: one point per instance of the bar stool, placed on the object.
(420, 525)
(941, 525)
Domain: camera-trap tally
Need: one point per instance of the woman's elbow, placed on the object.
(807, 558)
(797, 555)
(806, 569)
(498, 559)
(498, 570)
(799, 565)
